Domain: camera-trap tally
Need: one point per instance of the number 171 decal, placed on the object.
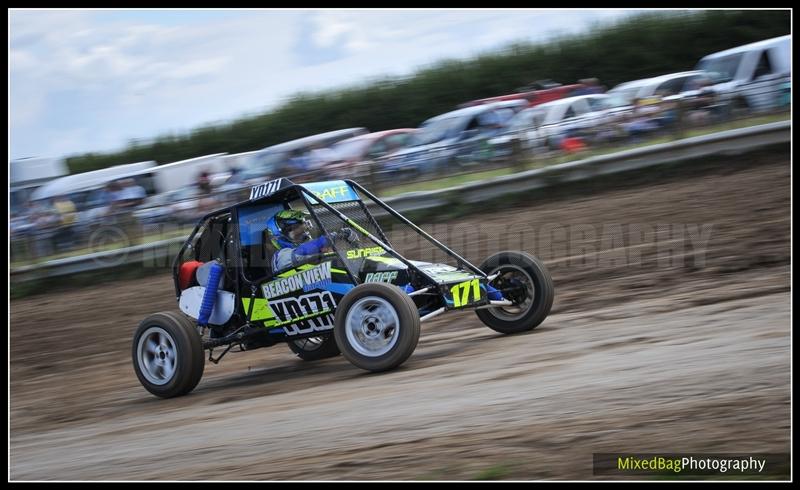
(466, 292)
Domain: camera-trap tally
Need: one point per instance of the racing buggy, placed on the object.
(360, 297)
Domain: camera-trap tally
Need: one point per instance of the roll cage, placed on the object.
(219, 235)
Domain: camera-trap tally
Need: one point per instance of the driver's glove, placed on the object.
(347, 234)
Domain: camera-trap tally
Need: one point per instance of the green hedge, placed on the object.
(637, 47)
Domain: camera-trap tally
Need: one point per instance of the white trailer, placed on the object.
(182, 174)
(90, 180)
(27, 174)
(241, 160)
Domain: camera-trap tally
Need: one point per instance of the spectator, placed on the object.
(105, 197)
(21, 223)
(133, 193)
(21, 229)
(641, 121)
(235, 177)
(114, 196)
(205, 201)
(703, 107)
(298, 162)
(67, 216)
(45, 221)
(667, 115)
(44, 215)
(126, 195)
(65, 209)
(204, 182)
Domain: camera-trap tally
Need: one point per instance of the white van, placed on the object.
(755, 76)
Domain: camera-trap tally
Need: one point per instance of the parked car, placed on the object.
(292, 158)
(544, 126)
(671, 84)
(507, 109)
(453, 138)
(664, 85)
(542, 94)
(352, 157)
(754, 76)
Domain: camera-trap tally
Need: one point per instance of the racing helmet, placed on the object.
(289, 228)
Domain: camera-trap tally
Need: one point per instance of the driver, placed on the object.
(289, 232)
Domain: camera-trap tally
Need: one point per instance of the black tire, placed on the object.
(517, 265)
(176, 335)
(385, 326)
(315, 348)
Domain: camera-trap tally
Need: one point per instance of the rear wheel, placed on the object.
(377, 326)
(315, 348)
(168, 354)
(524, 280)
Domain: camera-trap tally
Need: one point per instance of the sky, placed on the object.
(93, 80)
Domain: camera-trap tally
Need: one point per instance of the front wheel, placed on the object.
(168, 354)
(524, 280)
(376, 326)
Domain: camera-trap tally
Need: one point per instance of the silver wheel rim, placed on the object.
(310, 344)
(157, 355)
(372, 326)
(512, 313)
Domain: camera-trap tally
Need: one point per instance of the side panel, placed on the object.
(192, 298)
(465, 294)
(300, 301)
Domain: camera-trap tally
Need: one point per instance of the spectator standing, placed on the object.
(204, 182)
(235, 177)
(642, 119)
(45, 221)
(125, 199)
(132, 194)
(205, 201)
(64, 236)
(21, 227)
(114, 196)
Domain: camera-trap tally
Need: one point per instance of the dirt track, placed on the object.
(680, 346)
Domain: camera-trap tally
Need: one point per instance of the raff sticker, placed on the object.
(389, 276)
(332, 191)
